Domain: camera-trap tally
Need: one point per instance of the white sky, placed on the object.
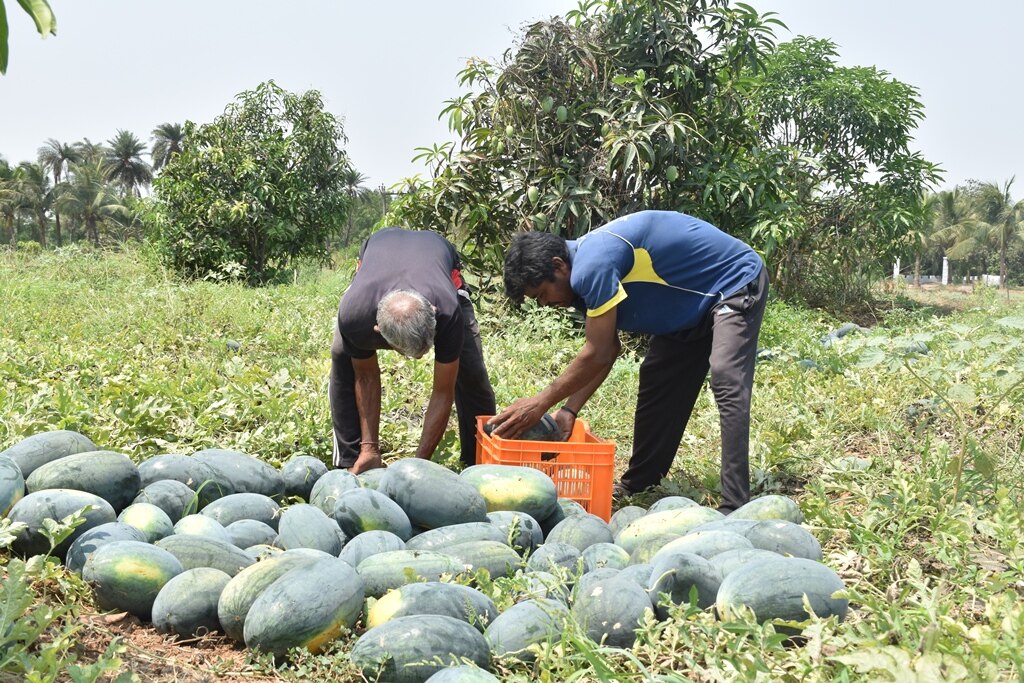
(386, 67)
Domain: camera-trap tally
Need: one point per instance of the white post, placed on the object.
(945, 270)
(896, 269)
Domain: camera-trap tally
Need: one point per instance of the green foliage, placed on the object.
(259, 187)
(616, 107)
(114, 346)
(41, 14)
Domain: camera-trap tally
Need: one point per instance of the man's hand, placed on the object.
(369, 459)
(565, 421)
(518, 417)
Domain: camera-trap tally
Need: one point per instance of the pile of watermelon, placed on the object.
(295, 557)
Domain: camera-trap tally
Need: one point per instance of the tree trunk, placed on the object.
(917, 271)
(12, 231)
(1002, 266)
(41, 217)
(93, 229)
(56, 228)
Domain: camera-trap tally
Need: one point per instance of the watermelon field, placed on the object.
(898, 435)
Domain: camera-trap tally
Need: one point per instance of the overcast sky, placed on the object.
(386, 67)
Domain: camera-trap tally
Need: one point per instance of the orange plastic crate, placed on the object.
(582, 467)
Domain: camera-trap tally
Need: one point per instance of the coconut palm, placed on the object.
(8, 200)
(169, 139)
(353, 182)
(90, 198)
(55, 157)
(124, 162)
(1002, 219)
(90, 152)
(956, 230)
(35, 197)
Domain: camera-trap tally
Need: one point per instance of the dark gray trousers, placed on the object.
(473, 393)
(671, 377)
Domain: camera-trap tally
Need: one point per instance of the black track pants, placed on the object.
(671, 377)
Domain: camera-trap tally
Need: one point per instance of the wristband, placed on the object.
(369, 443)
(569, 410)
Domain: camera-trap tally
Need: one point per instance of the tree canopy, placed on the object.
(263, 184)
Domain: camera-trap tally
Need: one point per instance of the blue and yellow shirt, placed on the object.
(663, 270)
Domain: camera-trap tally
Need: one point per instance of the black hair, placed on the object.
(528, 262)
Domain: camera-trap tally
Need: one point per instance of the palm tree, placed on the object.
(8, 200)
(955, 227)
(89, 197)
(169, 139)
(55, 157)
(90, 152)
(353, 182)
(125, 164)
(32, 186)
(1002, 218)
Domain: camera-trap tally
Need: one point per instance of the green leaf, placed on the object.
(1016, 322)
(41, 13)
(3, 39)
(962, 393)
(871, 357)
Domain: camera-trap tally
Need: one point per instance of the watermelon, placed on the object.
(128, 575)
(308, 607)
(513, 488)
(370, 479)
(776, 589)
(37, 450)
(770, 507)
(236, 506)
(446, 536)
(329, 487)
(622, 517)
(55, 504)
(111, 476)
(433, 597)
(411, 649)
(370, 543)
(707, 544)
(262, 551)
(672, 503)
(300, 473)
(359, 510)
(237, 472)
(432, 495)
(494, 556)
(661, 524)
(601, 555)
(191, 472)
(12, 484)
(201, 525)
(611, 610)
(466, 673)
(542, 584)
(731, 560)
(187, 604)
(580, 531)
(241, 591)
(149, 519)
(679, 572)
(202, 551)
(86, 544)
(383, 571)
(249, 532)
(173, 497)
(785, 538)
(525, 624)
(589, 578)
(306, 526)
(520, 530)
(556, 558)
(640, 574)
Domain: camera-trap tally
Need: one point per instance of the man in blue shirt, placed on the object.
(700, 292)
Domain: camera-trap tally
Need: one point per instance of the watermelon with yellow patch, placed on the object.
(128, 575)
(307, 607)
(515, 488)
